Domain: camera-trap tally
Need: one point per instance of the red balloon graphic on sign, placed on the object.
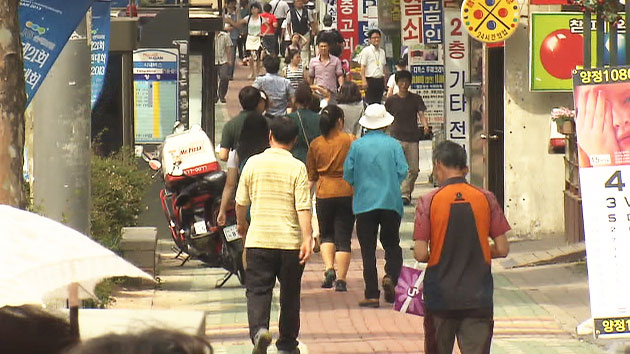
(561, 51)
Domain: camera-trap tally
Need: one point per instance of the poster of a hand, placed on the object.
(603, 118)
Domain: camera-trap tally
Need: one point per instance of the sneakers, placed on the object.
(329, 278)
(373, 303)
(223, 100)
(406, 200)
(389, 289)
(294, 351)
(316, 245)
(262, 339)
(340, 285)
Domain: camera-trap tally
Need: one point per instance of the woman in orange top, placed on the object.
(324, 164)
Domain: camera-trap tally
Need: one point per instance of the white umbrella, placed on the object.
(42, 259)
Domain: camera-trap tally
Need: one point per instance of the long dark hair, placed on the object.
(254, 137)
(328, 118)
(349, 93)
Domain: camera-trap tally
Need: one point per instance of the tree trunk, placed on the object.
(12, 105)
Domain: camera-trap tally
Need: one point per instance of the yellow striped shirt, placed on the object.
(275, 184)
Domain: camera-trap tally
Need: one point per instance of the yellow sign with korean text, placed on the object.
(490, 20)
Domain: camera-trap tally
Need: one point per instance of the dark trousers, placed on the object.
(367, 230)
(335, 219)
(223, 72)
(263, 267)
(375, 90)
(474, 334)
(240, 44)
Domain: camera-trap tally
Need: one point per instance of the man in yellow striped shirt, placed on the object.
(278, 242)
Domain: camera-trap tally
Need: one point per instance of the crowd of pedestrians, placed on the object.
(310, 152)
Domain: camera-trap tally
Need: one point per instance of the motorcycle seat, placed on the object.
(211, 183)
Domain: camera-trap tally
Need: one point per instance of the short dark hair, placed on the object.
(303, 94)
(271, 64)
(249, 96)
(349, 93)
(402, 75)
(450, 154)
(256, 5)
(283, 130)
(402, 62)
(289, 57)
(267, 7)
(323, 39)
(328, 118)
(328, 20)
(374, 30)
(230, 1)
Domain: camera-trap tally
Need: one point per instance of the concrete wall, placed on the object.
(534, 179)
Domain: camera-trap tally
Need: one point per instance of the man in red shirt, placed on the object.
(268, 30)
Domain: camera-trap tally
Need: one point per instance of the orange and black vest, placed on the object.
(458, 275)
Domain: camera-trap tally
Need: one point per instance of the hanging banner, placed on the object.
(426, 64)
(347, 24)
(100, 46)
(457, 72)
(490, 21)
(155, 93)
(604, 159)
(421, 22)
(45, 27)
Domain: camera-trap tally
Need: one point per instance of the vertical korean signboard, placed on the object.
(604, 159)
(347, 24)
(422, 32)
(456, 74)
(155, 93)
(100, 46)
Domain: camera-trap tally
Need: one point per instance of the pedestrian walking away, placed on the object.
(456, 222)
(373, 70)
(306, 120)
(277, 88)
(350, 100)
(375, 167)
(280, 9)
(251, 100)
(324, 164)
(408, 111)
(278, 241)
(223, 60)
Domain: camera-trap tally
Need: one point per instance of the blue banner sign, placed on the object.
(100, 46)
(45, 27)
(432, 24)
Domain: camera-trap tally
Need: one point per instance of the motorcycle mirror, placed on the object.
(155, 165)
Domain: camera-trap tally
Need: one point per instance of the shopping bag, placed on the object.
(409, 291)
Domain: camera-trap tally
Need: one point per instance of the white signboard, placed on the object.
(604, 157)
(456, 71)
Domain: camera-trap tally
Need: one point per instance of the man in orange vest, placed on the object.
(457, 222)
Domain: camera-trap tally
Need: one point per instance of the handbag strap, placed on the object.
(308, 143)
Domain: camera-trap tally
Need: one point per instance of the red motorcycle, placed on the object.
(191, 198)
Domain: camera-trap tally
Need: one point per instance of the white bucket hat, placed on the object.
(376, 117)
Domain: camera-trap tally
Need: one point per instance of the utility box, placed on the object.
(138, 246)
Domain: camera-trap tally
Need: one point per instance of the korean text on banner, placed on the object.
(45, 27)
(427, 70)
(155, 93)
(604, 157)
(421, 22)
(456, 74)
(347, 24)
(100, 46)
